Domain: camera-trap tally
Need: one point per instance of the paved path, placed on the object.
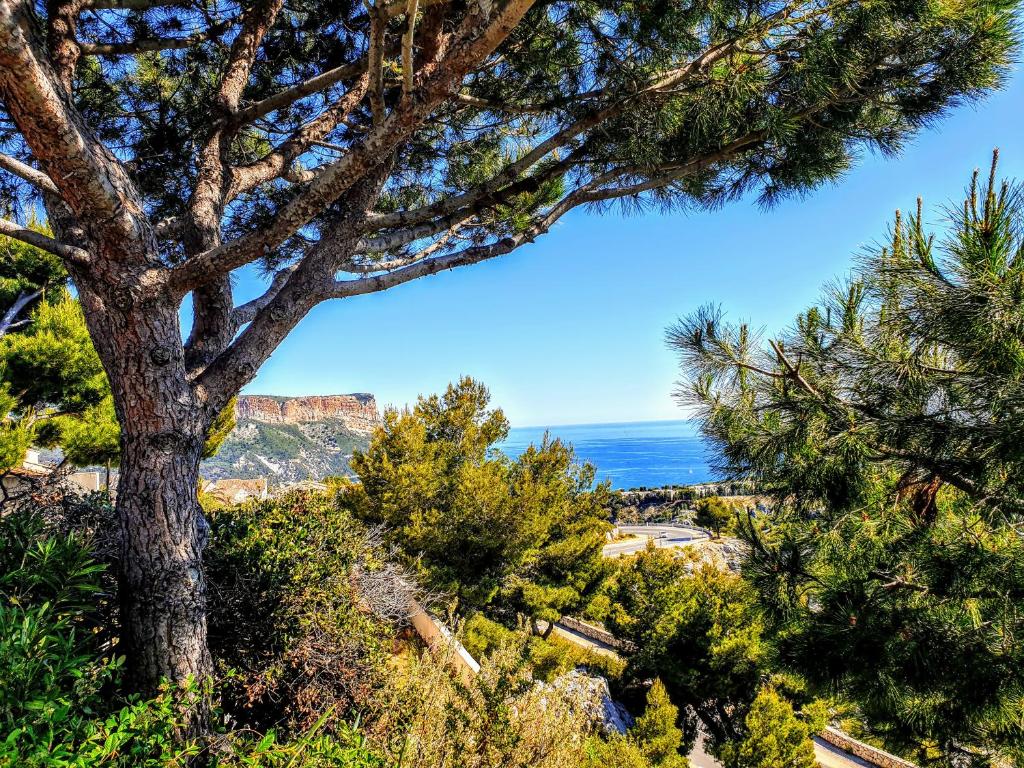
(826, 755)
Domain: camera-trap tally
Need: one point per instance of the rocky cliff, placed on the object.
(358, 411)
(289, 439)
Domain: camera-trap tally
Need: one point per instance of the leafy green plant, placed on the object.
(57, 668)
(308, 642)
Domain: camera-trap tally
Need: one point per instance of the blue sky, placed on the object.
(570, 329)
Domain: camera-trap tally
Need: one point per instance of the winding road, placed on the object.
(663, 536)
(678, 536)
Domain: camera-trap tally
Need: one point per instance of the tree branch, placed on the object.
(294, 292)
(375, 60)
(246, 313)
(152, 44)
(131, 5)
(9, 320)
(147, 44)
(306, 88)
(39, 240)
(27, 173)
(89, 179)
(481, 35)
(407, 41)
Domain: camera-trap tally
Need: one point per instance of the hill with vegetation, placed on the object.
(294, 439)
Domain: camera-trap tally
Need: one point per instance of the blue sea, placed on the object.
(630, 454)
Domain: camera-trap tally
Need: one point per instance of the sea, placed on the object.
(640, 454)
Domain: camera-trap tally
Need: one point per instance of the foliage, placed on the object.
(803, 88)
(26, 270)
(652, 742)
(714, 512)
(55, 675)
(696, 628)
(887, 424)
(549, 657)
(15, 432)
(92, 437)
(308, 644)
(52, 362)
(219, 429)
(472, 521)
(59, 682)
(62, 391)
(655, 730)
(499, 717)
(776, 737)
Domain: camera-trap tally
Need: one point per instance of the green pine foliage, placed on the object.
(714, 513)
(52, 362)
(697, 628)
(526, 533)
(15, 430)
(656, 732)
(776, 737)
(807, 86)
(886, 423)
(220, 429)
(653, 741)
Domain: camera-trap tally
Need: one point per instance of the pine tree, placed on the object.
(526, 533)
(715, 513)
(700, 631)
(887, 426)
(352, 147)
(775, 737)
(656, 731)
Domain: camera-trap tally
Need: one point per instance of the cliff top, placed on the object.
(358, 410)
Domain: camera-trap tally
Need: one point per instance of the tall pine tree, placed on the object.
(886, 423)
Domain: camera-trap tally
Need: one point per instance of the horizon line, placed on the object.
(599, 423)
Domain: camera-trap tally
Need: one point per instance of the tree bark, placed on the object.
(163, 590)
(135, 327)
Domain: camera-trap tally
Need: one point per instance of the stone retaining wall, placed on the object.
(440, 640)
(873, 755)
(595, 633)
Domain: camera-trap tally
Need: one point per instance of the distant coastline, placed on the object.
(631, 454)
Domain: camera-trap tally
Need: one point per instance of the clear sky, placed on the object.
(570, 330)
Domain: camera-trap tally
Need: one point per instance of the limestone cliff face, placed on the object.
(358, 412)
(291, 439)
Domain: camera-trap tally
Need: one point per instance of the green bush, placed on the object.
(56, 671)
(307, 644)
(59, 703)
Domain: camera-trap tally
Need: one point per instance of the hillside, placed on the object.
(294, 439)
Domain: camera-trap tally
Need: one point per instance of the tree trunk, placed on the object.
(137, 334)
(163, 590)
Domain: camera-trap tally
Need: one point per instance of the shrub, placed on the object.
(499, 717)
(307, 644)
(59, 706)
(775, 737)
(56, 669)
